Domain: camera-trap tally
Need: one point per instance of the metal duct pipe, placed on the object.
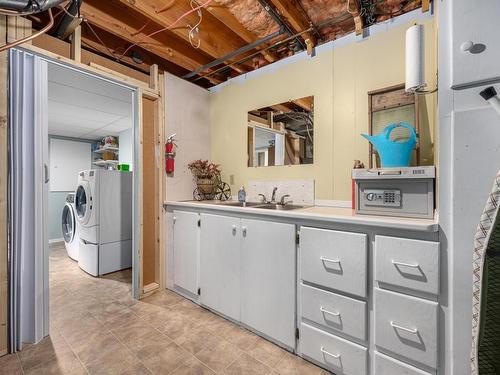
(26, 7)
(70, 21)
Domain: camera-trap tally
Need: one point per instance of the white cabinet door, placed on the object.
(476, 22)
(186, 242)
(268, 254)
(220, 264)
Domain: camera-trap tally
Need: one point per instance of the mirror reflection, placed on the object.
(282, 134)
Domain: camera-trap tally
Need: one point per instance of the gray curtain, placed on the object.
(28, 243)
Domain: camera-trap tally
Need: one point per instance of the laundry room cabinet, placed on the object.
(186, 245)
(476, 47)
(247, 272)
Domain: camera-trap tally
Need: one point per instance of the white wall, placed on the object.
(126, 143)
(67, 158)
(187, 115)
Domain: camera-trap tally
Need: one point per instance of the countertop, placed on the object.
(319, 213)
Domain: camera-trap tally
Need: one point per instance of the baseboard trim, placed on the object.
(150, 288)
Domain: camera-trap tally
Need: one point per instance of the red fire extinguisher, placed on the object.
(170, 154)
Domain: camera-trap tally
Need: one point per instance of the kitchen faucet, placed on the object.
(273, 197)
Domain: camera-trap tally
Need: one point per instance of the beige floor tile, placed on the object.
(95, 346)
(247, 365)
(167, 360)
(119, 361)
(293, 365)
(198, 339)
(266, 352)
(46, 350)
(242, 338)
(141, 308)
(193, 367)
(220, 356)
(163, 298)
(10, 364)
(62, 364)
(144, 343)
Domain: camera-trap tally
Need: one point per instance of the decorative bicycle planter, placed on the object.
(209, 183)
(214, 189)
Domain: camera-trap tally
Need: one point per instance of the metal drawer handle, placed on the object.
(414, 330)
(336, 356)
(323, 310)
(323, 259)
(412, 265)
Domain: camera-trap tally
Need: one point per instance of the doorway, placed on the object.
(86, 127)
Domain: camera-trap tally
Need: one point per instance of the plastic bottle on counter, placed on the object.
(242, 194)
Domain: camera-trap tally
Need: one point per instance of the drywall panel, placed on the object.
(67, 158)
(339, 77)
(187, 115)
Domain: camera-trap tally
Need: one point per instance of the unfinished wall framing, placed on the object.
(12, 28)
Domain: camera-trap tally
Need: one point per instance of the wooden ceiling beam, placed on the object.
(355, 10)
(215, 38)
(227, 18)
(289, 9)
(119, 21)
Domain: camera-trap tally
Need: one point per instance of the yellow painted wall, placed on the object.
(339, 79)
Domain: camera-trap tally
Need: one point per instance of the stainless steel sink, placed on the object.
(279, 207)
(242, 204)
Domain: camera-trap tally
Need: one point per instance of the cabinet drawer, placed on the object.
(331, 310)
(406, 326)
(334, 259)
(409, 264)
(385, 365)
(336, 354)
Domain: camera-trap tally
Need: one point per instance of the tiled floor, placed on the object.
(97, 328)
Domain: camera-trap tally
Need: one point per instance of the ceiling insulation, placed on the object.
(251, 15)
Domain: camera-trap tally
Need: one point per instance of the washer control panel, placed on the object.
(382, 197)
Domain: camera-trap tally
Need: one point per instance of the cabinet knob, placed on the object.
(175, 219)
(467, 46)
(234, 230)
(244, 231)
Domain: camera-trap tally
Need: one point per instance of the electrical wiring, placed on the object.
(165, 28)
(195, 29)
(99, 39)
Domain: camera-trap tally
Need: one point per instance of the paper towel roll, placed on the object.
(415, 67)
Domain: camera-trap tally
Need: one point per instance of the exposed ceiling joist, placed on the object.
(289, 9)
(214, 38)
(225, 16)
(355, 10)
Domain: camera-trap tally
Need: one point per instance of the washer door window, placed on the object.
(83, 203)
(68, 223)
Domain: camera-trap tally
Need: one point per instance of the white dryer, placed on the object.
(70, 227)
(103, 203)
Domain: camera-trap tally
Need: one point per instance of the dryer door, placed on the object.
(83, 202)
(68, 223)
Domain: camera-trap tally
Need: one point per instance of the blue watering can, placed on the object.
(393, 153)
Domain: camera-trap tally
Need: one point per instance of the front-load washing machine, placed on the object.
(70, 227)
(103, 202)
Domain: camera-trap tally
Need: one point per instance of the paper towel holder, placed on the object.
(415, 61)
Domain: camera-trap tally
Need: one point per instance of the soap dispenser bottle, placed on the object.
(242, 195)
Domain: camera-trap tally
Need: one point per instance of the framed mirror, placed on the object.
(281, 134)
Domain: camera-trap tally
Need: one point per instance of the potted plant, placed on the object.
(205, 174)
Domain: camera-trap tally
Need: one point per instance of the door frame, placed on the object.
(139, 90)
